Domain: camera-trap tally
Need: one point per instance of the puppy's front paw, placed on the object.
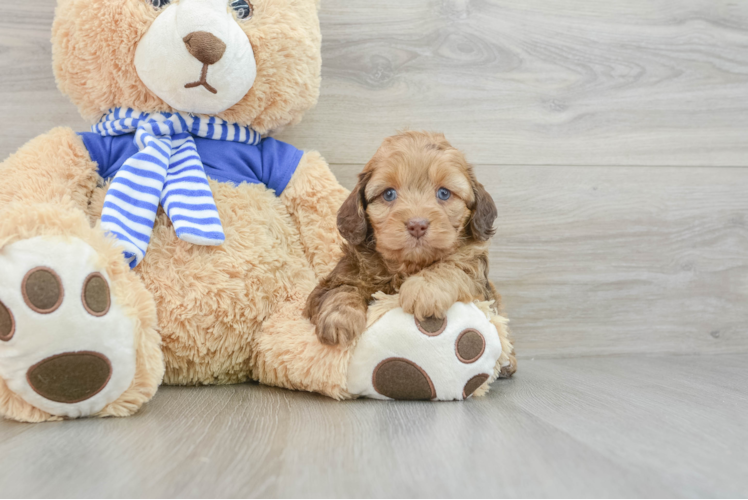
(423, 299)
(341, 325)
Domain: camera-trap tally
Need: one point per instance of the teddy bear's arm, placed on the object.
(52, 168)
(312, 198)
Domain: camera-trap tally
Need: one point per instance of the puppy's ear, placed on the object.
(484, 214)
(352, 222)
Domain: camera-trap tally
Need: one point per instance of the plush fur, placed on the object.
(94, 45)
(430, 270)
(225, 314)
(203, 315)
(505, 366)
(22, 221)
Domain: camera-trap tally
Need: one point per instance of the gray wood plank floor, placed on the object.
(621, 426)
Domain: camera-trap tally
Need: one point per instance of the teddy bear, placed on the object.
(176, 241)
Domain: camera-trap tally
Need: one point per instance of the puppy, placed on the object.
(417, 223)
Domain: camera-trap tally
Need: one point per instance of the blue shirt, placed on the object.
(271, 162)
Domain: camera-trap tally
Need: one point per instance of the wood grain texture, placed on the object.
(597, 427)
(594, 257)
(575, 82)
(591, 260)
(569, 82)
(30, 103)
(619, 259)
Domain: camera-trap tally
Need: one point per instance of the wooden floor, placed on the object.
(620, 426)
(613, 137)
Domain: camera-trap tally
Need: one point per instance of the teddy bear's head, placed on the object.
(251, 62)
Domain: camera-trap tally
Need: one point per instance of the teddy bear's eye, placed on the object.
(243, 8)
(160, 3)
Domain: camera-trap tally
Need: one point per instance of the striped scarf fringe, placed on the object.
(166, 170)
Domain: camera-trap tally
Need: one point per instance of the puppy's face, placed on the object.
(417, 200)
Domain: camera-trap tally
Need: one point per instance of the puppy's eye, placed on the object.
(389, 195)
(243, 8)
(443, 194)
(160, 3)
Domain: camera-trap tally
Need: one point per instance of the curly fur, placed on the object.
(449, 263)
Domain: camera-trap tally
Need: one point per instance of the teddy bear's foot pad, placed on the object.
(399, 357)
(66, 346)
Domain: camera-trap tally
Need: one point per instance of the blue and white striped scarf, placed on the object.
(166, 170)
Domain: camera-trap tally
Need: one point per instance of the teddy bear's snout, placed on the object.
(205, 47)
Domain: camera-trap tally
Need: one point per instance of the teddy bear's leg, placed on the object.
(313, 197)
(77, 328)
(395, 358)
(288, 354)
(54, 168)
(506, 365)
(398, 357)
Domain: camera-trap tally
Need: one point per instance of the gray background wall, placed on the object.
(613, 136)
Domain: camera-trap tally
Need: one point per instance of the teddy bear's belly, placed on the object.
(212, 301)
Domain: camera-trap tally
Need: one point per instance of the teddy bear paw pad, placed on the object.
(66, 346)
(449, 358)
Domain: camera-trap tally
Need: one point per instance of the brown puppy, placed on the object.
(417, 223)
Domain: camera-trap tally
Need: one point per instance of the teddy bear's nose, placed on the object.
(205, 47)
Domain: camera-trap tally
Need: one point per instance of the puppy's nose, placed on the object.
(418, 227)
(205, 47)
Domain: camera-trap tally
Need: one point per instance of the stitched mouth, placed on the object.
(203, 81)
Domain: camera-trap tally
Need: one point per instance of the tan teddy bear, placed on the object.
(175, 240)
